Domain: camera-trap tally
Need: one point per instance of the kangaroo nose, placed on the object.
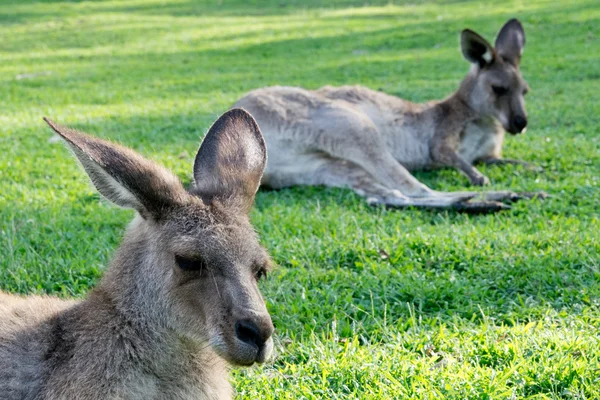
(248, 332)
(520, 123)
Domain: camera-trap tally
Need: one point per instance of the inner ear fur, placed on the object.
(510, 42)
(476, 49)
(123, 176)
(231, 160)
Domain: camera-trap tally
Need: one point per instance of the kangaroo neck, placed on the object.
(425, 118)
(462, 96)
(455, 110)
(414, 127)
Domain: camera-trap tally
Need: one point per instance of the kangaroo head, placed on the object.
(499, 87)
(190, 260)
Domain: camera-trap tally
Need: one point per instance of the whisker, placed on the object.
(216, 285)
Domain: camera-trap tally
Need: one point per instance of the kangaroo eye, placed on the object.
(260, 274)
(499, 90)
(190, 264)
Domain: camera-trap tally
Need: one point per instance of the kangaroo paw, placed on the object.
(501, 195)
(480, 207)
(541, 195)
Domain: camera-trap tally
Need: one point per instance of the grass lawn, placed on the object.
(367, 303)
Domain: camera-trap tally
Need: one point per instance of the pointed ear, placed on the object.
(123, 176)
(476, 49)
(510, 42)
(231, 161)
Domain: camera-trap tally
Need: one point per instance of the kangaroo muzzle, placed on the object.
(518, 125)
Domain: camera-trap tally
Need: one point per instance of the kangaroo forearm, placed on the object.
(504, 161)
(445, 155)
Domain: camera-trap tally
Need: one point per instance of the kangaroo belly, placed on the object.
(414, 156)
(410, 147)
(291, 165)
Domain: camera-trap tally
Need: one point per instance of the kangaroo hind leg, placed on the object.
(341, 173)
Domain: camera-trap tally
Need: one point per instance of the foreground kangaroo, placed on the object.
(180, 298)
(366, 140)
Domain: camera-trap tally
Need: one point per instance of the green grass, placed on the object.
(501, 306)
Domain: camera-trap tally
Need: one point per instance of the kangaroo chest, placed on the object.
(149, 388)
(412, 151)
(480, 140)
(189, 376)
(411, 144)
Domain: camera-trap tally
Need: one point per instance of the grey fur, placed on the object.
(356, 137)
(150, 329)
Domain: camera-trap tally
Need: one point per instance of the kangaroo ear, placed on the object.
(231, 160)
(476, 49)
(123, 176)
(510, 42)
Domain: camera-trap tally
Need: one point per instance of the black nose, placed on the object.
(519, 122)
(248, 332)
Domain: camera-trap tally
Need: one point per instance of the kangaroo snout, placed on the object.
(250, 333)
(254, 342)
(518, 124)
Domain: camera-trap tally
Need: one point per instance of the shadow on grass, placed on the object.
(106, 78)
(190, 8)
(193, 8)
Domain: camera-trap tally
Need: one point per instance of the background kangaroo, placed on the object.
(369, 141)
(180, 298)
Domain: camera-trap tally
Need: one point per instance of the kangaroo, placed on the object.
(356, 137)
(180, 300)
